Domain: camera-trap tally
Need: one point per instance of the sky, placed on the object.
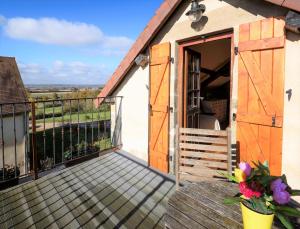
(71, 41)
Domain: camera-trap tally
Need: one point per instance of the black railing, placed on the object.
(42, 135)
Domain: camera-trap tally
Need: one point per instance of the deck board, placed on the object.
(112, 191)
(202, 204)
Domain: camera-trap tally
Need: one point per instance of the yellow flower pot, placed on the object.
(254, 220)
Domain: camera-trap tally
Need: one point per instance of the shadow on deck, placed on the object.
(111, 191)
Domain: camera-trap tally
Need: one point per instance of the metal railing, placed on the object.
(42, 135)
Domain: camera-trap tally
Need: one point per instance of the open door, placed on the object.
(192, 85)
(260, 92)
(159, 107)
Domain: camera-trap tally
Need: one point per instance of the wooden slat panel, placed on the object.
(214, 156)
(159, 101)
(160, 60)
(259, 119)
(203, 132)
(253, 103)
(195, 162)
(192, 178)
(213, 148)
(262, 88)
(278, 68)
(276, 151)
(193, 165)
(267, 43)
(203, 139)
(243, 74)
(257, 136)
(206, 172)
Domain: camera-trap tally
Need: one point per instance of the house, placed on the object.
(13, 116)
(237, 67)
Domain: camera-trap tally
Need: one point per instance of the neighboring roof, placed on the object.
(161, 16)
(12, 89)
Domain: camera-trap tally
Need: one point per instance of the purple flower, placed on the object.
(246, 168)
(278, 185)
(281, 197)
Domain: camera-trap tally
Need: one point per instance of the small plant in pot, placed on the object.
(9, 176)
(262, 196)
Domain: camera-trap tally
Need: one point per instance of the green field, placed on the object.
(83, 117)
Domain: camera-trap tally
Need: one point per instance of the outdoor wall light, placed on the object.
(141, 60)
(196, 11)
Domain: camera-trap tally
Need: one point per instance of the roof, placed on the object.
(12, 89)
(161, 16)
(112, 191)
(291, 4)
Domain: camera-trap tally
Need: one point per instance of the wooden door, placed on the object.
(159, 107)
(261, 92)
(192, 84)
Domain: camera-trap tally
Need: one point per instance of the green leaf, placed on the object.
(283, 177)
(295, 192)
(288, 210)
(232, 200)
(260, 205)
(229, 177)
(284, 220)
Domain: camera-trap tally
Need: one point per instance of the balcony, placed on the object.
(40, 136)
(65, 156)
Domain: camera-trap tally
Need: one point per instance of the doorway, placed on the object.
(205, 90)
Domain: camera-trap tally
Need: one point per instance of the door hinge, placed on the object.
(236, 50)
(170, 158)
(172, 60)
(273, 121)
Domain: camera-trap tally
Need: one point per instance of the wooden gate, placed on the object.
(159, 107)
(261, 92)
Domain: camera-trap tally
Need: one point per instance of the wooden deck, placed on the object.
(201, 205)
(112, 191)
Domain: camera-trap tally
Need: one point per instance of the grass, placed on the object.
(83, 117)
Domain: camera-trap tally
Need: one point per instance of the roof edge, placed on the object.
(161, 16)
(157, 21)
(291, 4)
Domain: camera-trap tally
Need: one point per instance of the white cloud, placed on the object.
(2, 20)
(64, 33)
(64, 73)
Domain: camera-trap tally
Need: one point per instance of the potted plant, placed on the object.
(262, 196)
(9, 176)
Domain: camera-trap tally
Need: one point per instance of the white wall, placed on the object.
(220, 15)
(134, 114)
(291, 123)
(9, 142)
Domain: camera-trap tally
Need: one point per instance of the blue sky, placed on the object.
(70, 41)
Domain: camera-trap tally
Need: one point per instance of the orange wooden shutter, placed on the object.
(159, 106)
(261, 92)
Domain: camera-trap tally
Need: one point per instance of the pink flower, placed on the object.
(246, 168)
(249, 192)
